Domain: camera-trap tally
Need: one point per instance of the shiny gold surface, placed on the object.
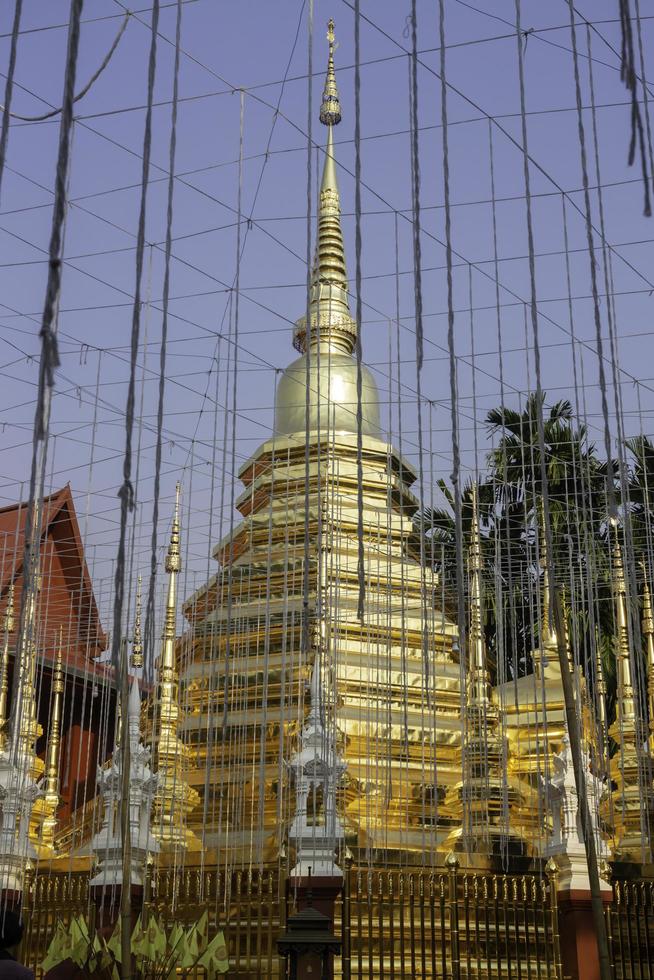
(631, 840)
(175, 798)
(51, 775)
(648, 634)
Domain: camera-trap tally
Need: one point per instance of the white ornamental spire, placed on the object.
(107, 843)
(318, 769)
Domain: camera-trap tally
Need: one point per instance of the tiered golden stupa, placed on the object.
(287, 591)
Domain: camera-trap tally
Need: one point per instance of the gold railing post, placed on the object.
(452, 863)
(27, 908)
(553, 878)
(345, 919)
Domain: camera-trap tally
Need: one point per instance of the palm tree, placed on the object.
(509, 496)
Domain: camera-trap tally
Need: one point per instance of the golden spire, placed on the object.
(137, 641)
(601, 686)
(630, 840)
(626, 706)
(175, 798)
(549, 638)
(478, 681)
(332, 326)
(8, 627)
(648, 633)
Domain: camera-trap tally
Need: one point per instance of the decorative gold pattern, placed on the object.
(137, 640)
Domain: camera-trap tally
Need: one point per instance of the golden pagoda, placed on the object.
(288, 590)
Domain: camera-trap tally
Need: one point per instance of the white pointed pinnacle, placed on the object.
(107, 845)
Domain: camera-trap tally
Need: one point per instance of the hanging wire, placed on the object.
(89, 85)
(149, 610)
(126, 492)
(630, 79)
(454, 419)
(361, 569)
(48, 362)
(9, 85)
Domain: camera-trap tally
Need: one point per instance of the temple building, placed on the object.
(68, 629)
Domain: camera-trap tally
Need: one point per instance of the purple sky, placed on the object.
(252, 45)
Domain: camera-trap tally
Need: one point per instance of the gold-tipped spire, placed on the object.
(52, 755)
(331, 324)
(648, 634)
(478, 680)
(626, 704)
(549, 638)
(137, 639)
(330, 109)
(175, 797)
(8, 627)
(631, 843)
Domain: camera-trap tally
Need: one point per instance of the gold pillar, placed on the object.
(51, 782)
(648, 636)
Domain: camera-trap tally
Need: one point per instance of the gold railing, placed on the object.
(630, 927)
(394, 924)
(449, 924)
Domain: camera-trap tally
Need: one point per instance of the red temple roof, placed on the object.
(66, 602)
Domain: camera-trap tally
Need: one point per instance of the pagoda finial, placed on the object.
(478, 682)
(626, 705)
(175, 798)
(330, 110)
(631, 841)
(331, 324)
(173, 566)
(137, 639)
(648, 633)
(8, 627)
(548, 633)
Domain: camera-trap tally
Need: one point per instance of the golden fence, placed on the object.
(450, 924)
(630, 927)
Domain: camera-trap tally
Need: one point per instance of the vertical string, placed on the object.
(148, 659)
(358, 347)
(566, 676)
(454, 420)
(49, 360)
(9, 86)
(630, 79)
(126, 492)
(418, 300)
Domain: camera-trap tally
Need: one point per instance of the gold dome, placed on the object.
(333, 396)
